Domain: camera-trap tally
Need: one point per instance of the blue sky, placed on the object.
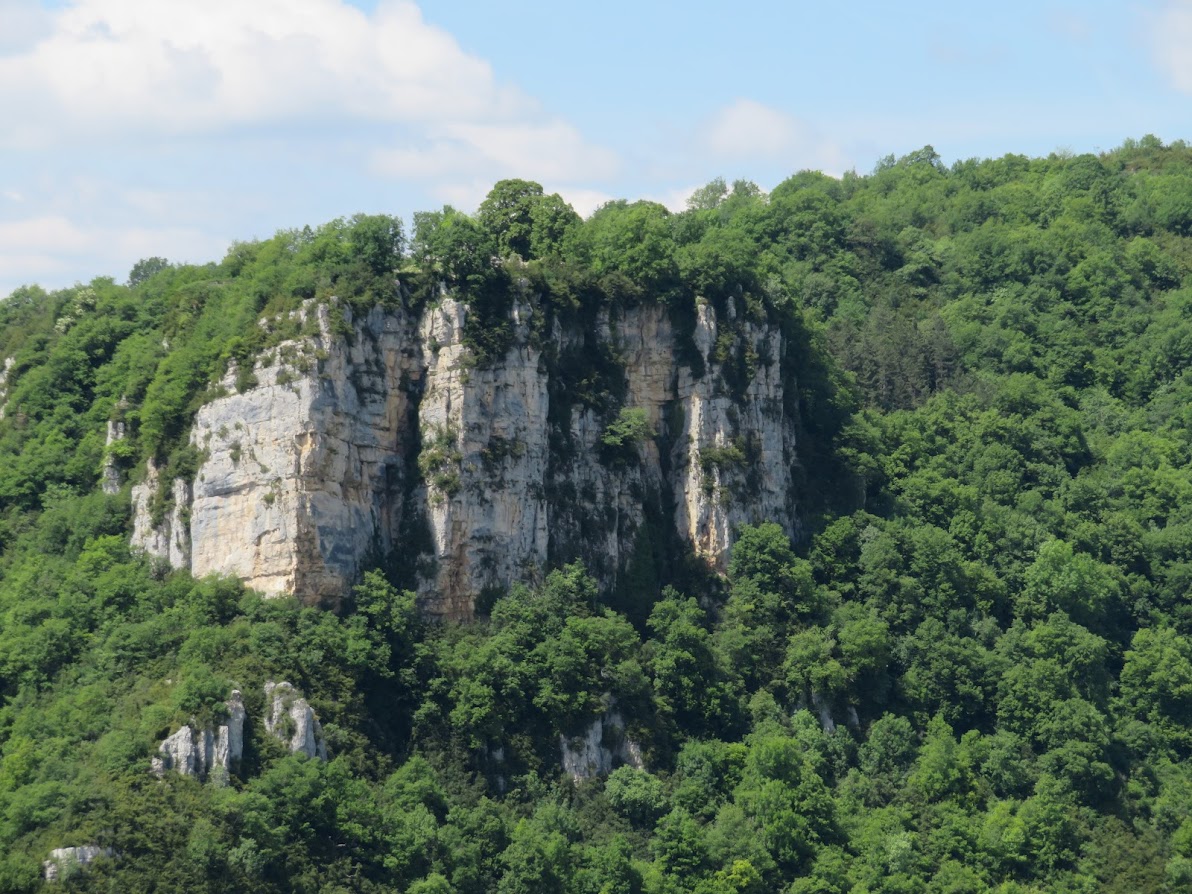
(173, 127)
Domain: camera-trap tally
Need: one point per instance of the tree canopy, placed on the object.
(971, 672)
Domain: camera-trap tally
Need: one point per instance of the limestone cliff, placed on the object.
(485, 457)
(382, 435)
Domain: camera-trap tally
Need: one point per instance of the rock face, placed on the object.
(824, 711)
(485, 457)
(205, 754)
(112, 481)
(162, 530)
(64, 861)
(5, 369)
(601, 748)
(304, 471)
(178, 753)
(383, 436)
(229, 740)
(290, 718)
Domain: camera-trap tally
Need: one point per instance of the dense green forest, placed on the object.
(990, 595)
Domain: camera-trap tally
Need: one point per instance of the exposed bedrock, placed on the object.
(205, 753)
(385, 438)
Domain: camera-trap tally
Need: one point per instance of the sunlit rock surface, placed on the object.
(383, 437)
(205, 754)
(290, 718)
(603, 747)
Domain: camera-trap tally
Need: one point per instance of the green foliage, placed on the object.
(636, 794)
(439, 462)
(525, 222)
(971, 669)
(146, 268)
(453, 245)
(631, 241)
(625, 434)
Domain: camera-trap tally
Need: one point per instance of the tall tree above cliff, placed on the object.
(524, 220)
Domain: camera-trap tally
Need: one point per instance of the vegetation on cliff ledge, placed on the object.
(973, 673)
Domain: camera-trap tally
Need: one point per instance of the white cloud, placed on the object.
(433, 159)
(584, 201)
(675, 199)
(141, 124)
(1171, 34)
(42, 233)
(39, 249)
(188, 66)
(24, 21)
(114, 69)
(747, 130)
(463, 194)
(549, 150)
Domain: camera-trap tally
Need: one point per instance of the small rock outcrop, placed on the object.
(229, 739)
(601, 749)
(290, 719)
(111, 480)
(205, 754)
(384, 434)
(178, 753)
(5, 369)
(65, 861)
(160, 525)
(824, 711)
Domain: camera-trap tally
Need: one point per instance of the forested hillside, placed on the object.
(970, 672)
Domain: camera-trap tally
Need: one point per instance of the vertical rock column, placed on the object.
(5, 369)
(290, 719)
(734, 455)
(483, 460)
(164, 534)
(112, 480)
